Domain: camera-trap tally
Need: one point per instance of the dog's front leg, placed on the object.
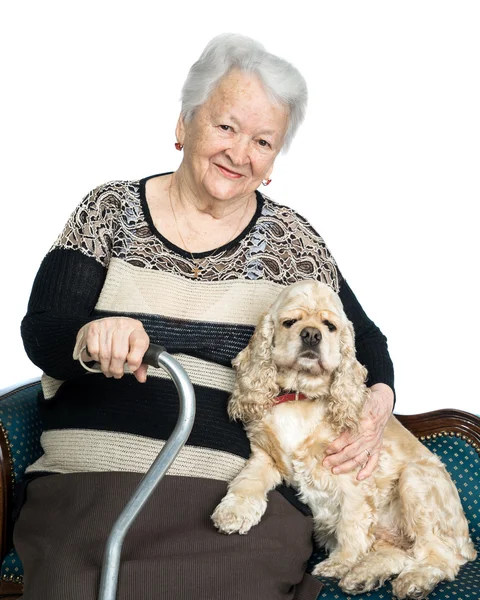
(354, 530)
(246, 499)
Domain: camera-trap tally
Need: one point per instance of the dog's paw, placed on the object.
(236, 514)
(417, 583)
(360, 580)
(332, 567)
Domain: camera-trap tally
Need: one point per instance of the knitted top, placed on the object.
(110, 260)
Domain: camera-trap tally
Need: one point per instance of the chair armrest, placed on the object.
(20, 431)
(448, 421)
(6, 492)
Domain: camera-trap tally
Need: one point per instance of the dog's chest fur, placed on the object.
(299, 434)
(294, 423)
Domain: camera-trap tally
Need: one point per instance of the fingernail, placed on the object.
(335, 470)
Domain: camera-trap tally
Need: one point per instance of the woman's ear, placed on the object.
(348, 391)
(256, 382)
(180, 129)
(269, 173)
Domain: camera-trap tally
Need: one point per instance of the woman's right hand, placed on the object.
(112, 342)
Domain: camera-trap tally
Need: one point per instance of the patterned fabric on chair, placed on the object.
(12, 569)
(462, 460)
(20, 444)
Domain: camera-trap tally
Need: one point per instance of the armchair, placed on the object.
(452, 434)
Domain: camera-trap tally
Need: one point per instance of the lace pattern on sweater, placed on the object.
(281, 246)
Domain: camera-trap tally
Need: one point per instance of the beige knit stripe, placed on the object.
(84, 450)
(50, 386)
(134, 289)
(201, 372)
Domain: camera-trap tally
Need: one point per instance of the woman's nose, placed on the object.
(238, 152)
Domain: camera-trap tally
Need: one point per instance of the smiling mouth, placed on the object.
(227, 173)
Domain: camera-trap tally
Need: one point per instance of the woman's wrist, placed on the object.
(386, 393)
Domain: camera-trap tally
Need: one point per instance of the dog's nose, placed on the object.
(311, 336)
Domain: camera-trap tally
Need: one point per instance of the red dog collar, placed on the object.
(290, 397)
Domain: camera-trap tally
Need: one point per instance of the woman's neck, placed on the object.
(197, 205)
(188, 222)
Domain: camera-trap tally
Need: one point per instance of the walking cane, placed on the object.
(156, 356)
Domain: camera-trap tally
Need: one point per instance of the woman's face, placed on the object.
(233, 139)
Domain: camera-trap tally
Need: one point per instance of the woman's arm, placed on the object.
(63, 297)
(68, 284)
(370, 343)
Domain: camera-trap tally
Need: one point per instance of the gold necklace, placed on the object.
(224, 214)
(197, 265)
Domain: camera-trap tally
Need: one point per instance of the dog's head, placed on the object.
(308, 322)
(303, 343)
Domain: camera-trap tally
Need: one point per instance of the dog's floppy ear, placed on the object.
(347, 391)
(255, 385)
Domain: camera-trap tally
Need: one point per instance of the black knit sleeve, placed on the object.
(371, 344)
(67, 286)
(63, 297)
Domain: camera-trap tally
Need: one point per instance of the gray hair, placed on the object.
(282, 81)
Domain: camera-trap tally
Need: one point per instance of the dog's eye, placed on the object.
(289, 322)
(331, 326)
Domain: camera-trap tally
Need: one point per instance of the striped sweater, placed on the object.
(110, 260)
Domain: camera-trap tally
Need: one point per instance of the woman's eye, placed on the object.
(331, 326)
(225, 127)
(289, 322)
(264, 143)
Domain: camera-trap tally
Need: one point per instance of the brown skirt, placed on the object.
(172, 550)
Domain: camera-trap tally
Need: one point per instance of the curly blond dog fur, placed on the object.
(405, 521)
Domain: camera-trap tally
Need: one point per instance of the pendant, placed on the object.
(196, 270)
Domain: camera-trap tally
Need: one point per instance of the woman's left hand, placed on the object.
(348, 451)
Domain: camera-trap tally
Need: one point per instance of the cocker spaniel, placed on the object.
(405, 521)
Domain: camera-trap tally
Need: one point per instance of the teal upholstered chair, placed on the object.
(20, 430)
(453, 435)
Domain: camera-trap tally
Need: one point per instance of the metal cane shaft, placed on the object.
(157, 357)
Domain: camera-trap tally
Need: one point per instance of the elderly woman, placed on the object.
(189, 260)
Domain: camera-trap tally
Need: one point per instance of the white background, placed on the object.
(386, 165)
